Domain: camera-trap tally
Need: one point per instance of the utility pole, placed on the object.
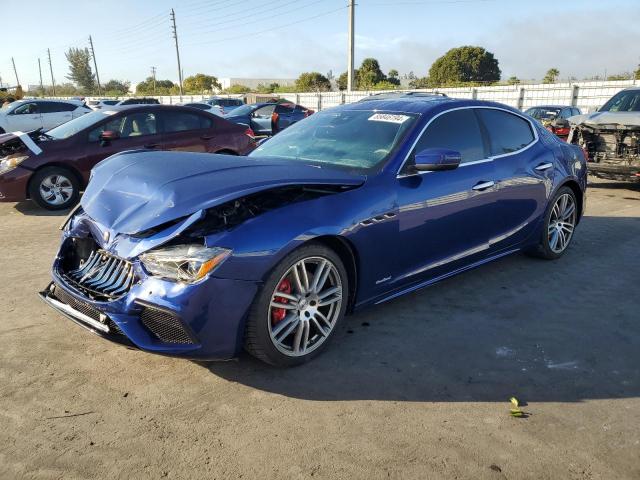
(175, 36)
(350, 72)
(40, 71)
(153, 75)
(15, 71)
(53, 82)
(95, 64)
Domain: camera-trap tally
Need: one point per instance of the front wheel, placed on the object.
(560, 222)
(297, 310)
(54, 188)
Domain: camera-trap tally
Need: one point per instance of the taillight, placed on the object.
(250, 133)
(308, 112)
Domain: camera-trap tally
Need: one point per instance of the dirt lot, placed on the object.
(417, 388)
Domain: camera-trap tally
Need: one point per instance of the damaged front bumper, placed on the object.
(111, 294)
(154, 316)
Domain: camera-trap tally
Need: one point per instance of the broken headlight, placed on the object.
(184, 263)
(10, 162)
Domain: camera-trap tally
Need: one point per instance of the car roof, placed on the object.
(421, 104)
(551, 106)
(145, 106)
(62, 100)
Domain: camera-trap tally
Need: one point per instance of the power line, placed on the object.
(253, 34)
(242, 14)
(244, 22)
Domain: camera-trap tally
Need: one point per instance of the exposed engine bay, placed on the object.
(19, 142)
(613, 151)
(233, 213)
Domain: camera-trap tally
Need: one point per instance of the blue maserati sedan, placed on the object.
(200, 255)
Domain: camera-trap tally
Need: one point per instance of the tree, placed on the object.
(313, 82)
(393, 77)
(513, 80)
(162, 87)
(551, 76)
(464, 64)
(419, 82)
(636, 74)
(620, 76)
(117, 87)
(385, 85)
(200, 83)
(237, 89)
(369, 74)
(80, 68)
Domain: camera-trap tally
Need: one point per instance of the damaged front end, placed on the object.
(159, 288)
(612, 150)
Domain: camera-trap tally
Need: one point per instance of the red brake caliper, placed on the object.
(278, 314)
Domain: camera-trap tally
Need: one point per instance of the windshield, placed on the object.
(625, 101)
(542, 113)
(354, 139)
(72, 127)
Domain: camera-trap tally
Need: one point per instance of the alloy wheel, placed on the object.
(562, 222)
(56, 189)
(305, 306)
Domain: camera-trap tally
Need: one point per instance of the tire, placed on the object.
(61, 182)
(310, 322)
(562, 231)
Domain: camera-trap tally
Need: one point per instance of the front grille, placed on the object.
(165, 326)
(86, 309)
(102, 276)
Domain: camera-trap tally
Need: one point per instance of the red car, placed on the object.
(51, 168)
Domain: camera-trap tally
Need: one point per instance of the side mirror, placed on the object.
(108, 136)
(436, 159)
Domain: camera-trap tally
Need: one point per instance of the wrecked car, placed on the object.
(610, 137)
(52, 167)
(554, 118)
(200, 256)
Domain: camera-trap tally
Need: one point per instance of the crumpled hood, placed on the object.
(607, 118)
(137, 190)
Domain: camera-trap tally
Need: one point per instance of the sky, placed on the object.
(282, 38)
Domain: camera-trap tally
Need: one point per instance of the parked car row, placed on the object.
(52, 167)
(25, 115)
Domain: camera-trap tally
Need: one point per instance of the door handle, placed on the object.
(206, 137)
(151, 145)
(544, 166)
(483, 185)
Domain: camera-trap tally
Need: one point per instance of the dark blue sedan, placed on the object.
(200, 255)
(268, 118)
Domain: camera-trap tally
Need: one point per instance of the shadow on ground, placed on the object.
(31, 208)
(562, 331)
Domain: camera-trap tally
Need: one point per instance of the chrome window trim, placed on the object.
(534, 130)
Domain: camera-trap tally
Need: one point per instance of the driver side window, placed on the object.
(26, 109)
(133, 125)
(457, 130)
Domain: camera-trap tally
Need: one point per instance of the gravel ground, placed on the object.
(417, 388)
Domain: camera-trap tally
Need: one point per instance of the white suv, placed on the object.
(26, 115)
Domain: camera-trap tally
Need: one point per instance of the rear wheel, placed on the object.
(560, 222)
(54, 188)
(296, 312)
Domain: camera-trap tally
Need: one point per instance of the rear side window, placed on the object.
(229, 102)
(184, 121)
(507, 132)
(458, 130)
(55, 107)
